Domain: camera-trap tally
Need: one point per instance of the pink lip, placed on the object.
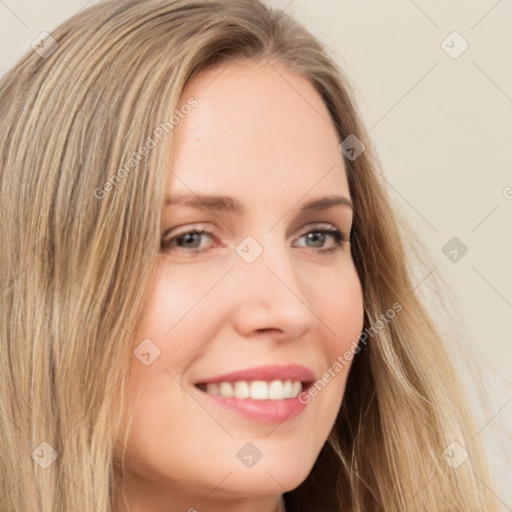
(264, 411)
(266, 373)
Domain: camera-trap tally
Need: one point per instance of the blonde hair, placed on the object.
(78, 256)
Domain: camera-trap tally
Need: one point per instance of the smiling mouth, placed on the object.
(256, 389)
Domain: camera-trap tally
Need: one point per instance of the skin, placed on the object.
(261, 134)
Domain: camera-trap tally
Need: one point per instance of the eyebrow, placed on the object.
(231, 205)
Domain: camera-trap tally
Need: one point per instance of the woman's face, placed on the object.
(255, 289)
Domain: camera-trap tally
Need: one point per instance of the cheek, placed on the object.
(341, 311)
(340, 308)
(174, 300)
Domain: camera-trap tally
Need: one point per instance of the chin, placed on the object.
(277, 475)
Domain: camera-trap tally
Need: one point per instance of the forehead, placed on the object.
(258, 128)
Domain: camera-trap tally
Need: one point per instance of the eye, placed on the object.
(186, 240)
(330, 231)
(191, 240)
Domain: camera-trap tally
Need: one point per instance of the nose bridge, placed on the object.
(264, 261)
(272, 289)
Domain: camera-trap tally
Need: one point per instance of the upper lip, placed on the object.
(266, 373)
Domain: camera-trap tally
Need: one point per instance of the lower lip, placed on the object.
(267, 411)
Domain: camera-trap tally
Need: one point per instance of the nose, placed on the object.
(272, 295)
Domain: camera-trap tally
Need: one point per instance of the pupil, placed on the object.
(318, 236)
(189, 238)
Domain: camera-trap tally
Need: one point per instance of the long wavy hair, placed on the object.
(80, 232)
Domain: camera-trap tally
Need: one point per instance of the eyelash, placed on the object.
(338, 235)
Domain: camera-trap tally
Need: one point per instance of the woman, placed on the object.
(282, 363)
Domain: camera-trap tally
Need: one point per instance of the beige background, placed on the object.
(442, 127)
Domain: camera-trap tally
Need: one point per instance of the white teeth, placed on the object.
(259, 390)
(242, 389)
(296, 388)
(256, 390)
(287, 389)
(275, 390)
(226, 389)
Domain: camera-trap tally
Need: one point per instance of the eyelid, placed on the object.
(337, 234)
(320, 225)
(183, 230)
(211, 231)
